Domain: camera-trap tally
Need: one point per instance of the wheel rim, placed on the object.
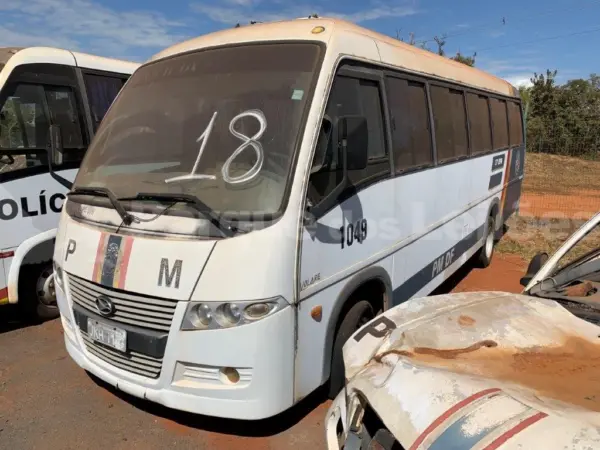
(46, 293)
(489, 241)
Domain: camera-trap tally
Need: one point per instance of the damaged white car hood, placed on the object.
(480, 370)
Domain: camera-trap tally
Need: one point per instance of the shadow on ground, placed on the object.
(11, 320)
(259, 428)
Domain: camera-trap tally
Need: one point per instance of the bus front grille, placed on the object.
(151, 313)
(134, 362)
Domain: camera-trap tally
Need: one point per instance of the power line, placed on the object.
(504, 22)
(577, 33)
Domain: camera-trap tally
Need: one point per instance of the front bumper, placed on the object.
(262, 352)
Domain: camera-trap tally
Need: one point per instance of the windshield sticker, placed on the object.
(297, 94)
(247, 141)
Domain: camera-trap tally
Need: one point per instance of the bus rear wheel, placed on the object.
(37, 296)
(356, 317)
(487, 251)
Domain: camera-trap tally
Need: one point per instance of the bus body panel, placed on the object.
(30, 206)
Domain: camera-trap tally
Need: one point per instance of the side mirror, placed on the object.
(353, 133)
(55, 151)
(534, 267)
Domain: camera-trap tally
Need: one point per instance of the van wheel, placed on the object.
(487, 251)
(359, 314)
(37, 296)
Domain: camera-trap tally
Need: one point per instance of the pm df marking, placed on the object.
(442, 263)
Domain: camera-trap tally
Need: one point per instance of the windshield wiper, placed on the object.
(221, 224)
(127, 218)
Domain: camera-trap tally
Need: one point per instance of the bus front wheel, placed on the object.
(356, 317)
(37, 297)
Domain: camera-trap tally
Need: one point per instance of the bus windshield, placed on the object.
(219, 124)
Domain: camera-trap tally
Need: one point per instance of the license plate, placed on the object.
(107, 335)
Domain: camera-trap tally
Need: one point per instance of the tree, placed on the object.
(468, 60)
(563, 119)
(440, 42)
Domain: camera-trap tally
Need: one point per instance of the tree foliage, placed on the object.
(563, 119)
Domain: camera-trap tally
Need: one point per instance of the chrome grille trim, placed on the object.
(141, 311)
(137, 363)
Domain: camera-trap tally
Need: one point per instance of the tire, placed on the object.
(486, 253)
(37, 299)
(357, 316)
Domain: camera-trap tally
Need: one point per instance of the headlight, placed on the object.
(215, 315)
(58, 275)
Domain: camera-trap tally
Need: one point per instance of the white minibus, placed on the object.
(40, 87)
(256, 194)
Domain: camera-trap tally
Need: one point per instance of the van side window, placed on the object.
(499, 123)
(409, 114)
(101, 91)
(479, 123)
(349, 96)
(23, 119)
(450, 123)
(26, 112)
(63, 112)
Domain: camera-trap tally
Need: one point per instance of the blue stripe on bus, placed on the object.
(111, 257)
(420, 279)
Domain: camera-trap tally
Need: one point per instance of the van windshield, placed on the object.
(219, 124)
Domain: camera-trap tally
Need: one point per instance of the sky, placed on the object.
(512, 39)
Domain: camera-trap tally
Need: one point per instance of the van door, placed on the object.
(346, 237)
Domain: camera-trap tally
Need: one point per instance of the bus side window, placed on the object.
(101, 91)
(349, 96)
(411, 131)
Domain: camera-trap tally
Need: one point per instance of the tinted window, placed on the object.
(23, 119)
(63, 112)
(450, 123)
(500, 123)
(349, 96)
(516, 123)
(409, 123)
(479, 123)
(101, 91)
(371, 109)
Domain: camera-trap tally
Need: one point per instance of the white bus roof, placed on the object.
(389, 51)
(28, 55)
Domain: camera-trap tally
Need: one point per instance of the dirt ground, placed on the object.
(47, 402)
